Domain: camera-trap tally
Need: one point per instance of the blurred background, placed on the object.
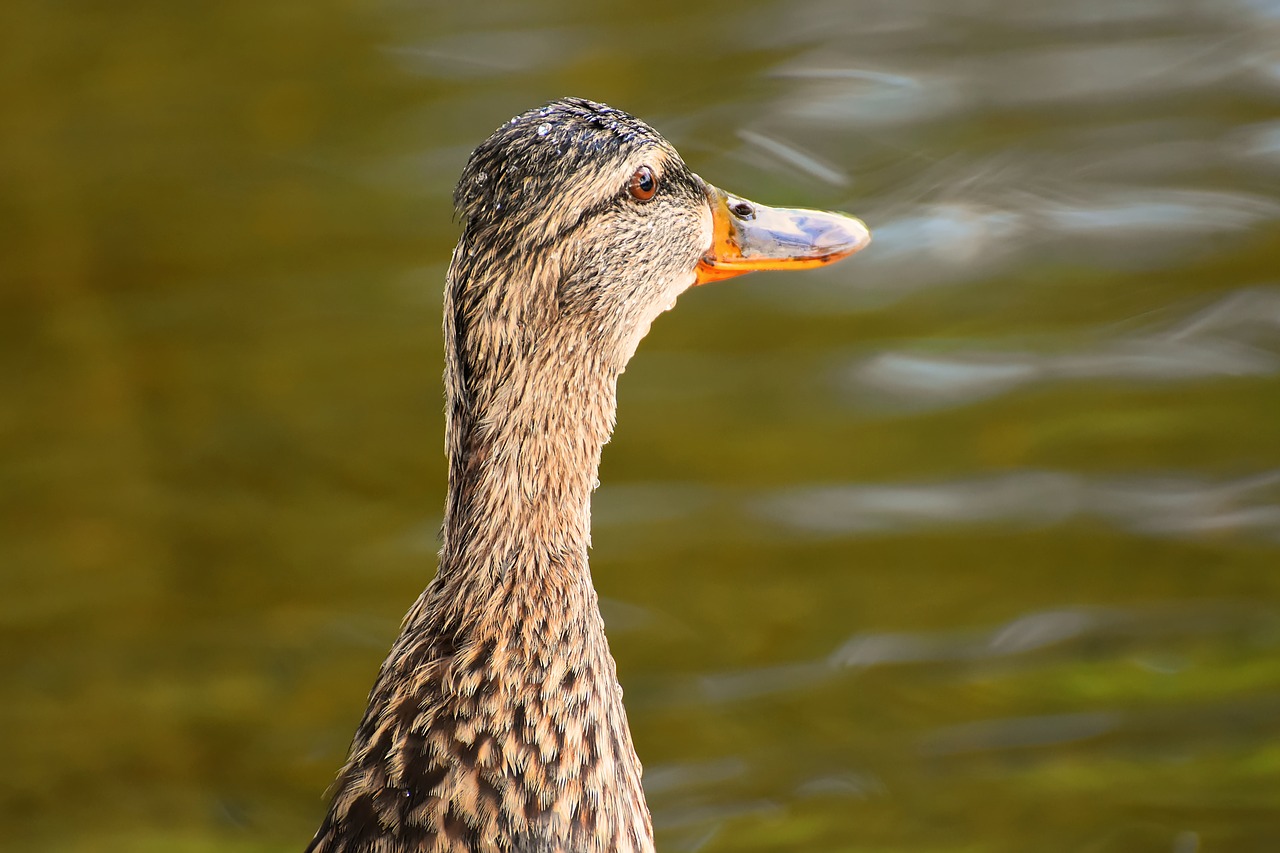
(971, 543)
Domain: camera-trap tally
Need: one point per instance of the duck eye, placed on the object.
(643, 184)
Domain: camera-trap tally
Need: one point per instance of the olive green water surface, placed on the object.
(971, 543)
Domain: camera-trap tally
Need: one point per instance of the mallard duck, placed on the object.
(496, 722)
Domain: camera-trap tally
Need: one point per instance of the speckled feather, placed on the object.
(496, 722)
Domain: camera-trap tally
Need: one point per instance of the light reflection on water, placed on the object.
(968, 543)
(1160, 506)
(1154, 505)
(1237, 336)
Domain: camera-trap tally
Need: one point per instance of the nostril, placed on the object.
(743, 210)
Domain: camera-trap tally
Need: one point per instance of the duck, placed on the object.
(496, 722)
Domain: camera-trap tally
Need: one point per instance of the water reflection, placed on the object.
(1177, 506)
(1236, 336)
(1134, 654)
(791, 154)
(1260, 142)
(1021, 733)
(1023, 644)
(1170, 505)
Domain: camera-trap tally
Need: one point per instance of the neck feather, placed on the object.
(524, 458)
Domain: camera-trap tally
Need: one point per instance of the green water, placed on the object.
(970, 543)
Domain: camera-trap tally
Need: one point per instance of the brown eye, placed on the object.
(643, 184)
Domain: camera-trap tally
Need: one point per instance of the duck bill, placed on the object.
(749, 237)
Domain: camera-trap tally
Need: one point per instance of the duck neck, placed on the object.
(523, 461)
(514, 595)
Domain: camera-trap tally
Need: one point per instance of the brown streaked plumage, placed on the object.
(496, 722)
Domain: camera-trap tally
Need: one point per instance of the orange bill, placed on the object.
(750, 236)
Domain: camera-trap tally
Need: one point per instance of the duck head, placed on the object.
(598, 226)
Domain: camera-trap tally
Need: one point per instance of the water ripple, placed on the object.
(832, 90)
(1019, 643)
(1166, 506)
(1239, 335)
(1019, 733)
